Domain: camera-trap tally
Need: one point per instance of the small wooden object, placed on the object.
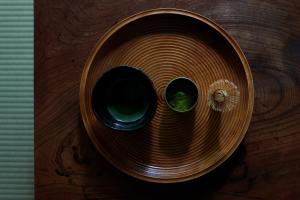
(223, 95)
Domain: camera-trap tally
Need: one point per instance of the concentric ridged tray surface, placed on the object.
(166, 44)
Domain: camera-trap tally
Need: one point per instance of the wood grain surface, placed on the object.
(165, 44)
(266, 165)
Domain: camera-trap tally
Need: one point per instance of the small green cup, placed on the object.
(181, 94)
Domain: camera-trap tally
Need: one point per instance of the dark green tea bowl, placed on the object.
(181, 94)
(124, 98)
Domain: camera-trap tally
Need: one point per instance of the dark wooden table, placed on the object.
(266, 165)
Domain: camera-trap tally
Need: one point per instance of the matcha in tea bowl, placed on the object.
(124, 98)
(181, 94)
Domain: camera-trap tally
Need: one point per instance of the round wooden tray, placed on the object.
(168, 43)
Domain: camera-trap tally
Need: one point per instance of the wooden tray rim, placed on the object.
(175, 11)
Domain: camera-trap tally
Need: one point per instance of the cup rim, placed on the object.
(180, 78)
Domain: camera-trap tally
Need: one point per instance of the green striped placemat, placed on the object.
(16, 99)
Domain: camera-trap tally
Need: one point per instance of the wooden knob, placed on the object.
(220, 96)
(223, 95)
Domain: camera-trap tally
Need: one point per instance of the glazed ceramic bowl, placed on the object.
(124, 98)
